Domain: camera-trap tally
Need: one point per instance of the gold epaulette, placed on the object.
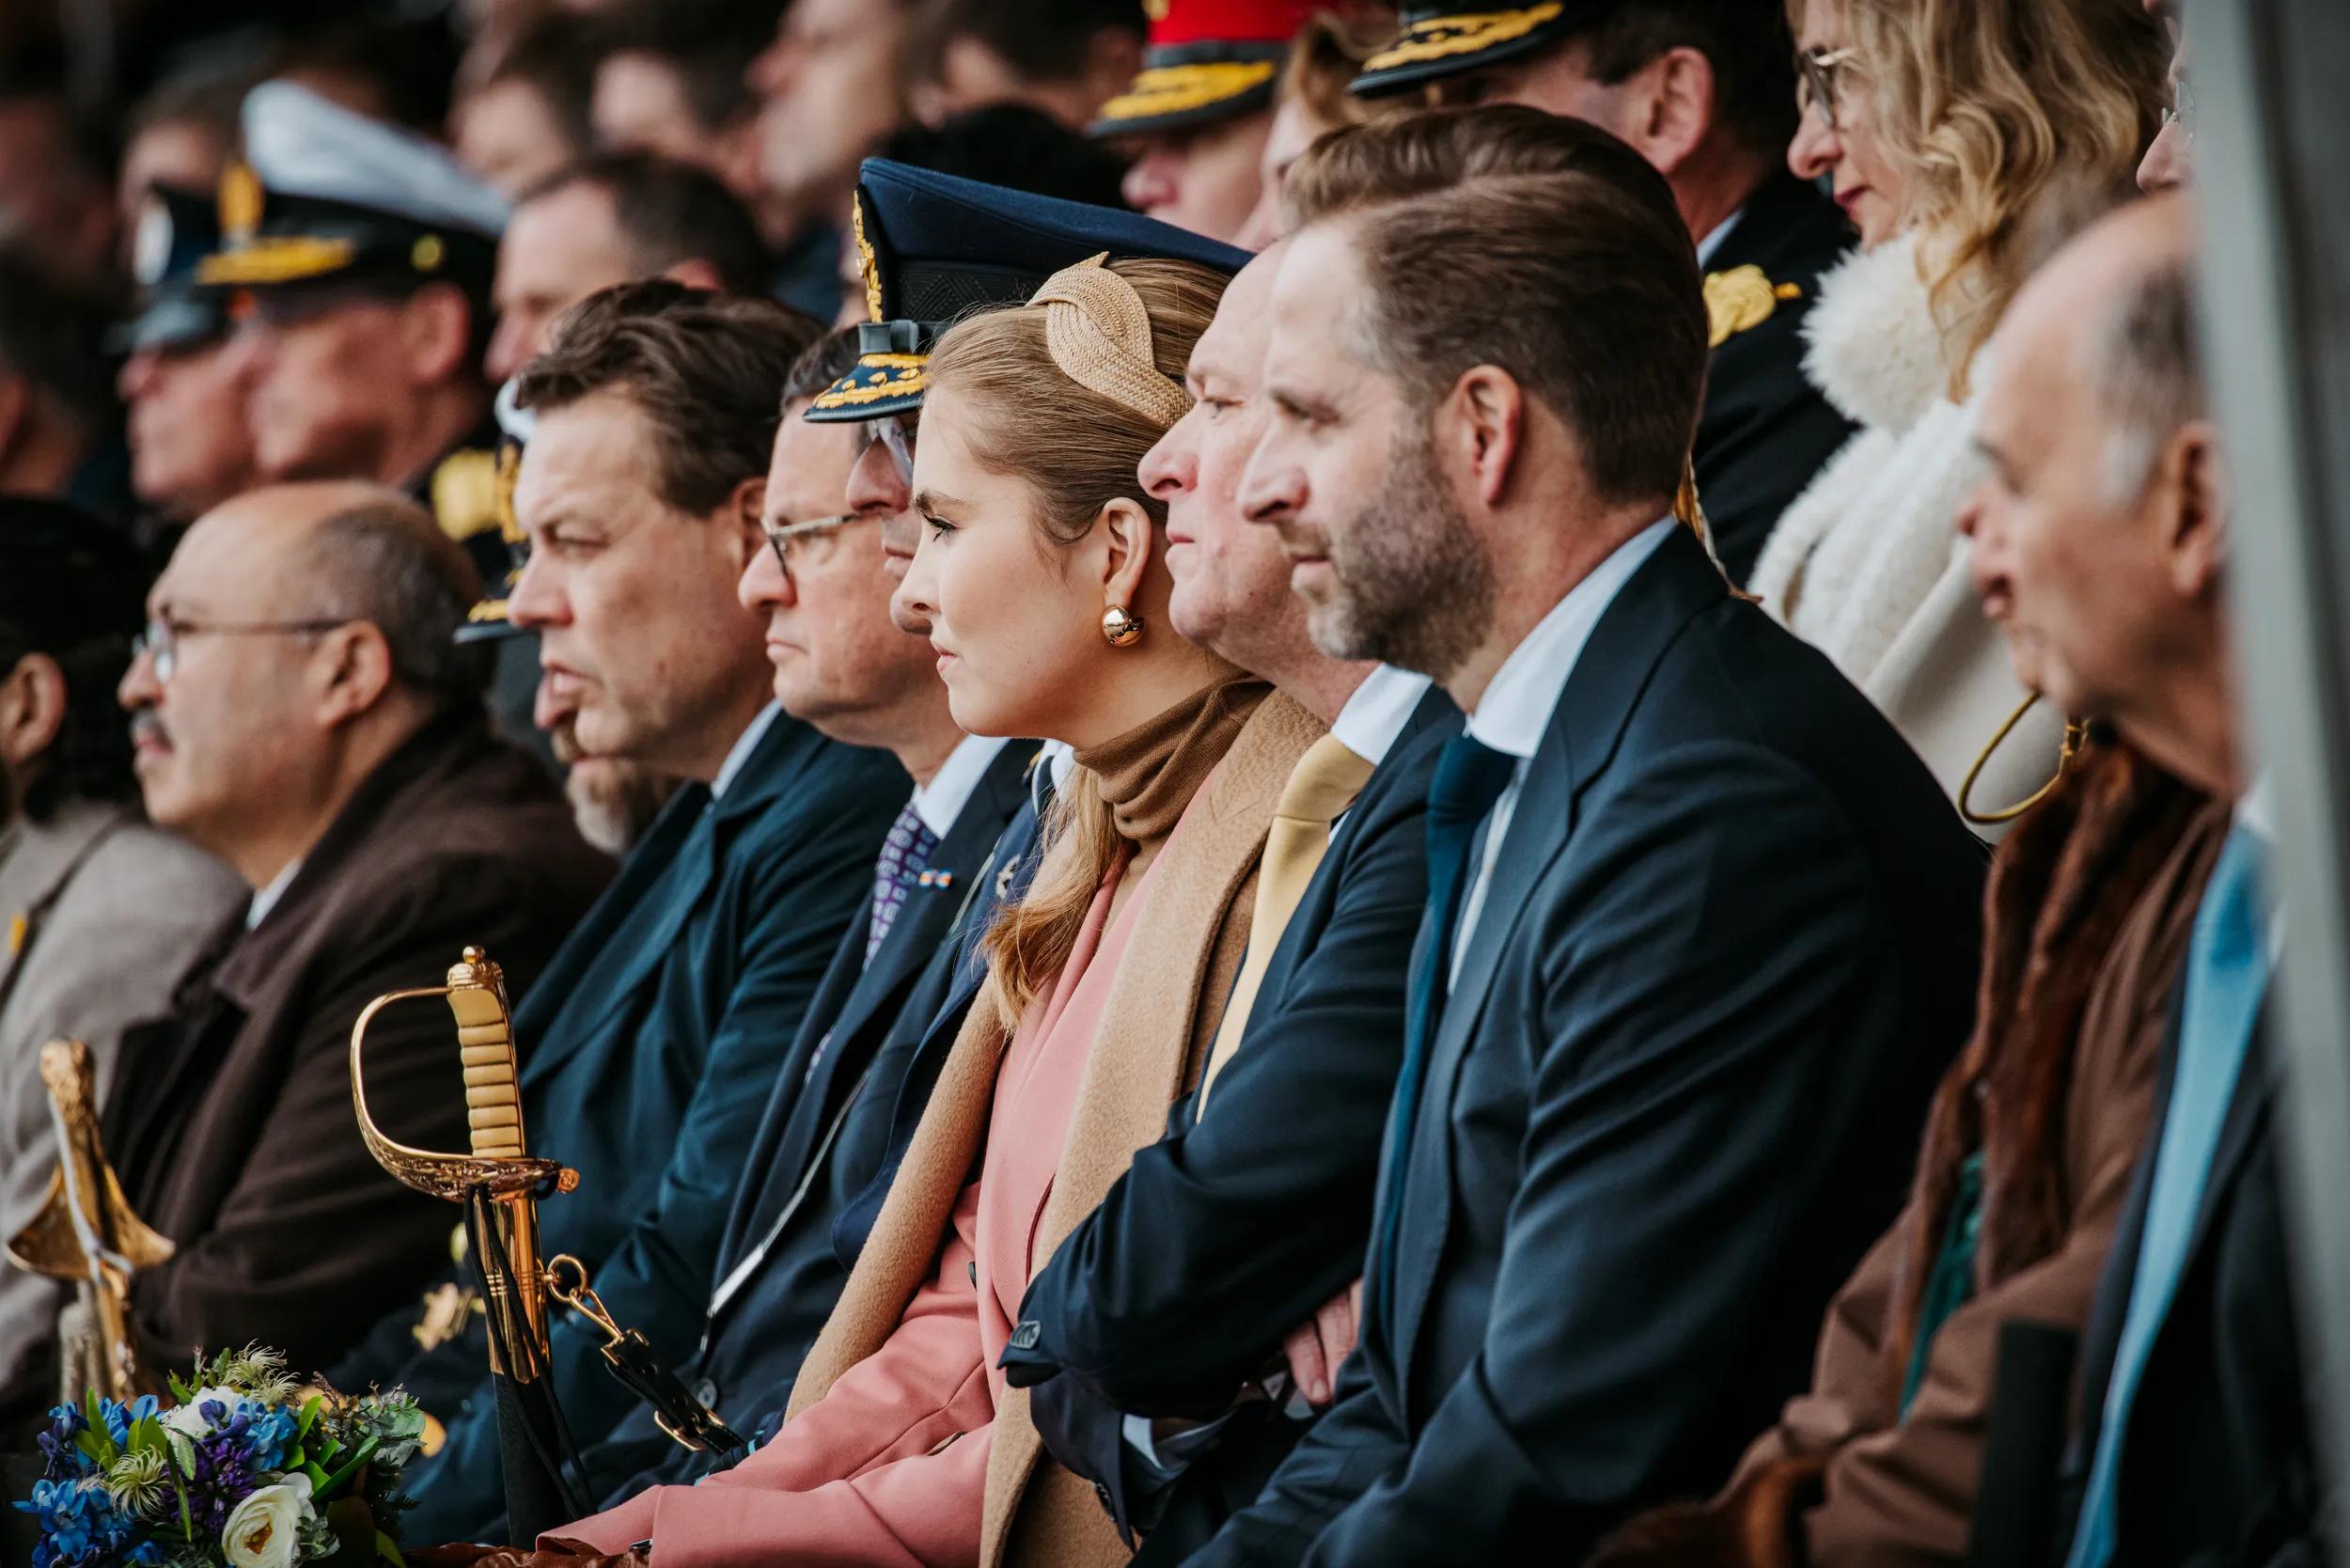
(465, 494)
(1742, 299)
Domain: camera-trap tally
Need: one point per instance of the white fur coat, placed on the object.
(1868, 564)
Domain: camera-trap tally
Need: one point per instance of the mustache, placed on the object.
(146, 725)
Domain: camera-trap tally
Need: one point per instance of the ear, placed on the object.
(1483, 427)
(436, 330)
(740, 517)
(350, 669)
(32, 712)
(1130, 542)
(1678, 113)
(2192, 510)
(694, 273)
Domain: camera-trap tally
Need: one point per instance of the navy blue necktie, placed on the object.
(1470, 778)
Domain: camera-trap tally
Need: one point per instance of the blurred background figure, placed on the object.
(831, 85)
(1938, 130)
(190, 448)
(2169, 164)
(56, 179)
(1312, 99)
(529, 114)
(671, 81)
(368, 268)
(614, 218)
(102, 913)
(1066, 57)
(1196, 117)
(59, 432)
(397, 70)
(184, 134)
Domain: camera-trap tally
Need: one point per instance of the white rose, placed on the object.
(188, 1419)
(265, 1529)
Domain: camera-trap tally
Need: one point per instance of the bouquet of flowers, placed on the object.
(246, 1471)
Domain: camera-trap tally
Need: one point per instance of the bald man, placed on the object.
(299, 710)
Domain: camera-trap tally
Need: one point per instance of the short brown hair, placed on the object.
(820, 363)
(708, 370)
(1544, 246)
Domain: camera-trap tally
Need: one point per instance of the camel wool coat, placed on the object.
(1158, 1019)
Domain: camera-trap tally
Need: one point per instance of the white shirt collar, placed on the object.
(941, 800)
(1376, 713)
(2257, 809)
(266, 899)
(1061, 758)
(1525, 691)
(743, 745)
(1713, 242)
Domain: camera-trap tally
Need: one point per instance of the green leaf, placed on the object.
(94, 1447)
(388, 1550)
(365, 1452)
(318, 1478)
(310, 1408)
(181, 1392)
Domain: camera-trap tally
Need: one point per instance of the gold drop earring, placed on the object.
(1121, 629)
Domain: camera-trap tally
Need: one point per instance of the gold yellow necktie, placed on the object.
(1322, 785)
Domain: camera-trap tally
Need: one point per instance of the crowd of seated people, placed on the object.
(1461, 785)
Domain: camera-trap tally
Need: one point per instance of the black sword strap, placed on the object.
(630, 1357)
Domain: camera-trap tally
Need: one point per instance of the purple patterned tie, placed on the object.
(904, 856)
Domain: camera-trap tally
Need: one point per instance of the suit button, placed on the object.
(707, 1391)
(1025, 1336)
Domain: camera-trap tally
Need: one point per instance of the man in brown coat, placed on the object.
(300, 711)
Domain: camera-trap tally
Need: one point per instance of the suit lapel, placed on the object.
(1674, 585)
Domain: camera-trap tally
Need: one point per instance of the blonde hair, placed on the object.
(1077, 450)
(1990, 108)
(1326, 56)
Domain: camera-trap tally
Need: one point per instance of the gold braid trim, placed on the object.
(282, 261)
(1175, 89)
(897, 375)
(1690, 514)
(1443, 37)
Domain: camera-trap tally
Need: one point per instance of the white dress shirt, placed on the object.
(266, 899)
(1516, 709)
(745, 744)
(1373, 718)
(940, 802)
(1713, 242)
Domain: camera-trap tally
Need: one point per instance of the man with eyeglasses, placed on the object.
(667, 1022)
(299, 711)
(1705, 90)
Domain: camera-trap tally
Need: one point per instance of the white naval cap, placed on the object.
(301, 144)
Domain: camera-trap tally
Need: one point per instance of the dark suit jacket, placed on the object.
(1766, 430)
(865, 1097)
(1235, 1229)
(660, 1033)
(237, 1140)
(2218, 1471)
(1727, 950)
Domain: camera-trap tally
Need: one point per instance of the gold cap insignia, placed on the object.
(868, 265)
(465, 494)
(1742, 299)
(510, 469)
(428, 253)
(240, 202)
(1154, 10)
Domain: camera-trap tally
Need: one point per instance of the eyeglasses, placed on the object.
(781, 537)
(1818, 75)
(159, 642)
(2180, 111)
(895, 432)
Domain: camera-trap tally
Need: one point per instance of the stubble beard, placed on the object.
(1414, 586)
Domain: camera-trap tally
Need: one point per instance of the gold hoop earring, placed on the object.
(2075, 732)
(1119, 628)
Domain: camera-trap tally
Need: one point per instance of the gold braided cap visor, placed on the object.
(1181, 89)
(1441, 37)
(1098, 332)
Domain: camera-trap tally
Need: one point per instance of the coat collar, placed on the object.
(628, 935)
(1676, 583)
(375, 811)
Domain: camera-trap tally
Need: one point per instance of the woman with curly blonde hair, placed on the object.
(1964, 138)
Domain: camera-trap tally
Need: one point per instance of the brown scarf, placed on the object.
(1148, 775)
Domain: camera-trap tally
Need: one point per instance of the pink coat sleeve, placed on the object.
(888, 1470)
